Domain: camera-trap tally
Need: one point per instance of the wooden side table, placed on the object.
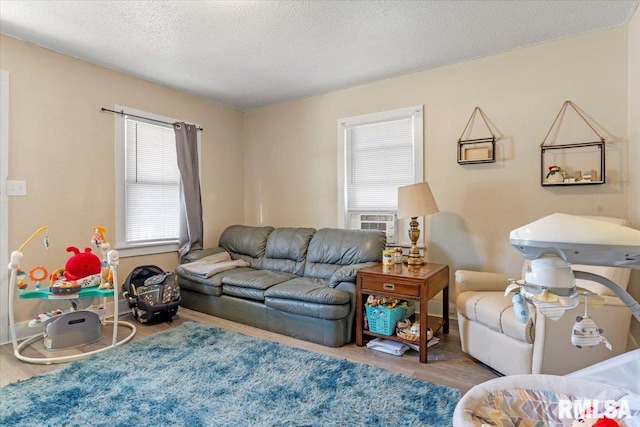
(401, 282)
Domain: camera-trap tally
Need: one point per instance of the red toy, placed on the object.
(81, 264)
(590, 418)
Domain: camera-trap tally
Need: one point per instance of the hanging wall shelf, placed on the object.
(572, 164)
(481, 150)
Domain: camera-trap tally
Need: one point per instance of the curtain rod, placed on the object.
(122, 113)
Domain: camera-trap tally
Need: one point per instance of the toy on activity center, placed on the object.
(79, 324)
(100, 241)
(82, 269)
(81, 265)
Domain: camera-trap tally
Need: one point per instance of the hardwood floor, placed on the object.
(447, 364)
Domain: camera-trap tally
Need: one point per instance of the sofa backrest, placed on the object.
(246, 243)
(332, 248)
(287, 249)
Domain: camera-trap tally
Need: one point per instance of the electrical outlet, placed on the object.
(452, 308)
(16, 188)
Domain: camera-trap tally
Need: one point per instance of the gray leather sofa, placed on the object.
(300, 282)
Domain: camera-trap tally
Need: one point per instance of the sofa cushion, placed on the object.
(495, 311)
(287, 249)
(309, 290)
(244, 293)
(256, 279)
(331, 248)
(245, 242)
(310, 309)
(206, 285)
(189, 284)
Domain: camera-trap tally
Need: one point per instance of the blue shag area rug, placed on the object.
(199, 375)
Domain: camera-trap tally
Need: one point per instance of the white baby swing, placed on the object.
(605, 394)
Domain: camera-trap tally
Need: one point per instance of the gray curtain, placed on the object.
(191, 230)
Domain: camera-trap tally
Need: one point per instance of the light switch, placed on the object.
(16, 188)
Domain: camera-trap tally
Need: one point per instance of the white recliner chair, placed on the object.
(491, 333)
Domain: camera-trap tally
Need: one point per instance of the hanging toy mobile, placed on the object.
(586, 333)
(38, 273)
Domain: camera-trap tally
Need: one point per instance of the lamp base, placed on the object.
(414, 234)
(415, 261)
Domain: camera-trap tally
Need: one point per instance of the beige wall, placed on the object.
(278, 165)
(634, 146)
(291, 148)
(62, 145)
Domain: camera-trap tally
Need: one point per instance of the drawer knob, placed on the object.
(389, 286)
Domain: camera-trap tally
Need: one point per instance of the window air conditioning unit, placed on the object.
(386, 222)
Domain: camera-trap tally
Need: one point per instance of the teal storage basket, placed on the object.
(382, 320)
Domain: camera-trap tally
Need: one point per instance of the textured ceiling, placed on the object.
(249, 54)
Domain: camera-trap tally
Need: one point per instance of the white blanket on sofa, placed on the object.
(213, 264)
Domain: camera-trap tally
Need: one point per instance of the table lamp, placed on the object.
(413, 201)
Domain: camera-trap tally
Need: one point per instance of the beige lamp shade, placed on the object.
(416, 200)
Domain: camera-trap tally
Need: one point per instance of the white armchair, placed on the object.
(490, 332)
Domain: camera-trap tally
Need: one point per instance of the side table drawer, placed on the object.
(377, 284)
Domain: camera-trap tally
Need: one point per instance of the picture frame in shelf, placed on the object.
(476, 151)
(480, 150)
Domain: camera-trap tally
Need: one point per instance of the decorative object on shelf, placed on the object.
(412, 333)
(403, 324)
(578, 176)
(413, 201)
(555, 174)
(481, 150)
(589, 154)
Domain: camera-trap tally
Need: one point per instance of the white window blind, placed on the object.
(380, 158)
(152, 183)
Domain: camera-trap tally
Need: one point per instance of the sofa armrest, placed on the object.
(467, 280)
(200, 253)
(347, 273)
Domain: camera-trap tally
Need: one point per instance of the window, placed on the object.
(377, 154)
(147, 184)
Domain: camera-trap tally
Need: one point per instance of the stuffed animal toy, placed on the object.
(82, 264)
(590, 418)
(520, 308)
(587, 334)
